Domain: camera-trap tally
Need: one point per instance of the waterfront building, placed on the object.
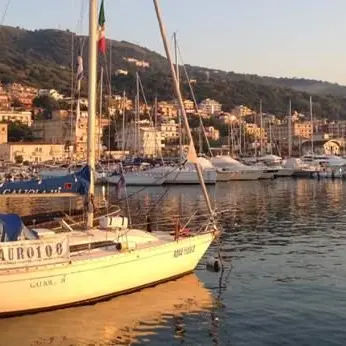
(146, 141)
(62, 129)
(32, 152)
(23, 117)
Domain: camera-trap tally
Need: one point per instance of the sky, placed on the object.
(280, 38)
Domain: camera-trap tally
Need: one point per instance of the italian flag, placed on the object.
(101, 29)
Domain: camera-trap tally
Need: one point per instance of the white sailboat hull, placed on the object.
(284, 172)
(189, 177)
(95, 276)
(138, 179)
(266, 174)
(238, 175)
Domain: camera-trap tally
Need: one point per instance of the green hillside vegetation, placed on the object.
(42, 58)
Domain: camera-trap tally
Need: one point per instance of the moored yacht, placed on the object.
(140, 178)
(275, 162)
(228, 169)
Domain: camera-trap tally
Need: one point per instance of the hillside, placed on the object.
(43, 58)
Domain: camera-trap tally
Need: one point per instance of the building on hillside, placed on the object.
(120, 72)
(4, 98)
(22, 93)
(32, 152)
(242, 111)
(169, 130)
(167, 109)
(3, 133)
(148, 141)
(323, 147)
(23, 117)
(210, 106)
(139, 63)
(189, 106)
(280, 133)
(256, 132)
(228, 118)
(67, 132)
(336, 128)
(117, 103)
(212, 133)
(50, 92)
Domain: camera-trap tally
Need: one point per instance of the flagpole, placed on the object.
(100, 115)
(192, 149)
(92, 107)
(123, 125)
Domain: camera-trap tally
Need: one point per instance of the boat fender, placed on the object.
(125, 246)
(213, 264)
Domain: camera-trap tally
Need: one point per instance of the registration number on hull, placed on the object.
(184, 251)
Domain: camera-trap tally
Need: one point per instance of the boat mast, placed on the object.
(261, 132)
(123, 124)
(255, 116)
(181, 104)
(155, 124)
(137, 117)
(179, 113)
(271, 138)
(290, 129)
(229, 135)
(312, 128)
(92, 106)
(100, 117)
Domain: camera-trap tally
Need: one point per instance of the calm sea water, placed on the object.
(284, 279)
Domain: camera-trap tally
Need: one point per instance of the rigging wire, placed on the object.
(194, 99)
(5, 12)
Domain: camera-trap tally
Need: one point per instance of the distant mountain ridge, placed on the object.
(43, 58)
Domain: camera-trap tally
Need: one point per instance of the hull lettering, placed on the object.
(184, 251)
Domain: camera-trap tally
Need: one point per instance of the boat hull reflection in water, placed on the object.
(122, 320)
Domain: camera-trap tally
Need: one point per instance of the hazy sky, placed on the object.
(289, 38)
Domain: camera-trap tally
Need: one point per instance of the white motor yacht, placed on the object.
(228, 169)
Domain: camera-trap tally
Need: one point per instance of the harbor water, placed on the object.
(283, 279)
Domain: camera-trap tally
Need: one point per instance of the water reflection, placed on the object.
(286, 242)
(25, 206)
(133, 318)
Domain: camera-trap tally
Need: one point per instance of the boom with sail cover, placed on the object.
(76, 183)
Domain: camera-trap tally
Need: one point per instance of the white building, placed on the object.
(50, 92)
(147, 142)
(23, 117)
(121, 72)
(169, 129)
(210, 106)
(32, 152)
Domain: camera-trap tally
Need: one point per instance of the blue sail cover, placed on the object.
(76, 183)
(11, 227)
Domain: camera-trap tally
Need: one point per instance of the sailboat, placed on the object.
(41, 269)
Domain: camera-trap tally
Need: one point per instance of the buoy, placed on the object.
(213, 264)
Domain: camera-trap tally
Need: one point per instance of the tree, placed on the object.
(18, 132)
(19, 159)
(16, 103)
(46, 102)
